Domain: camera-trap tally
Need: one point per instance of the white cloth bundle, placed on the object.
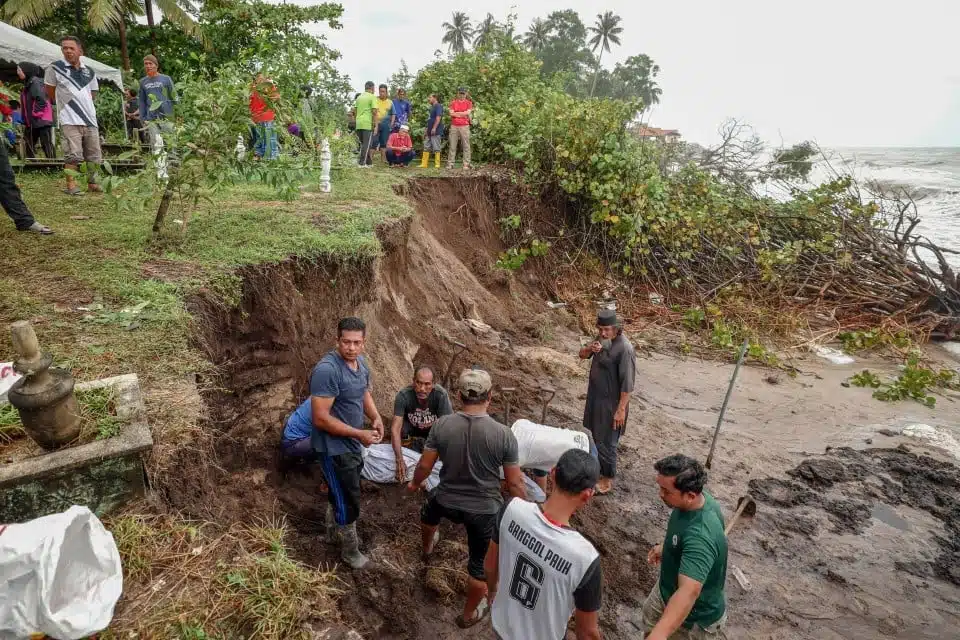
(380, 466)
(540, 446)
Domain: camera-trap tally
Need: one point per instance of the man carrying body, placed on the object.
(692, 558)
(365, 109)
(540, 446)
(461, 110)
(157, 97)
(473, 448)
(608, 392)
(332, 419)
(550, 570)
(415, 410)
(73, 86)
(434, 133)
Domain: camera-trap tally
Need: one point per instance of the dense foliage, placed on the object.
(695, 230)
(569, 52)
(492, 78)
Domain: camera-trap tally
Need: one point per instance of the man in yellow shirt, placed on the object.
(382, 124)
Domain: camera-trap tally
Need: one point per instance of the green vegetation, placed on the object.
(10, 427)
(569, 53)
(106, 303)
(266, 589)
(916, 381)
(870, 339)
(216, 582)
(98, 417)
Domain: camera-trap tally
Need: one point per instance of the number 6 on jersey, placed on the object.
(526, 581)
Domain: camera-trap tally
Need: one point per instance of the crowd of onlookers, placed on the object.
(382, 126)
(63, 96)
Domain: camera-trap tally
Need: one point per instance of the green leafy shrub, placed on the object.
(915, 382)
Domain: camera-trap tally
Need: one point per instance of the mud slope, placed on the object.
(435, 283)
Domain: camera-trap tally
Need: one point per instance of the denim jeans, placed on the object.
(265, 141)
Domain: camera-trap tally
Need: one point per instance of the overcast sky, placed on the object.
(841, 72)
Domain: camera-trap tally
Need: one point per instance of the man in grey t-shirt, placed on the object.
(473, 448)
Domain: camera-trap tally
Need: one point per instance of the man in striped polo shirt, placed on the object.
(73, 85)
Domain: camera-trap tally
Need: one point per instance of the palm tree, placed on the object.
(486, 31)
(179, 12)
(605, 30)
(458, 33)
(536, 36)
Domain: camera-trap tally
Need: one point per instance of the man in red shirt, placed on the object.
(264, 134)
(400, 147)
(460, 111)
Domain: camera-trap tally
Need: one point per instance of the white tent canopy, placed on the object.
(20, 46)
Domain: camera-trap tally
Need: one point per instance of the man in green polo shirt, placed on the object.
(688, 600)
(365, 109)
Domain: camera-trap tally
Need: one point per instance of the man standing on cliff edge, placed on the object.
(612, 374)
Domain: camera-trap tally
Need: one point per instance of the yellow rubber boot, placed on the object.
(436, 160)
(425, 162)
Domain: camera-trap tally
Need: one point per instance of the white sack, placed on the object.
(59, 575)
(541, 446)
(7, 377)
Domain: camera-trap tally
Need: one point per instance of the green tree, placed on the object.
(566, 52)
(401, 77)
(458, 33)
(605, 30)
(89, 17)
(636, 78)
(537, 35)
(487, 32)
(492, 76)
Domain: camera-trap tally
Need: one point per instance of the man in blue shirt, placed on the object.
(330, 423)
(157, 97)
(432, 136)
(401, 110)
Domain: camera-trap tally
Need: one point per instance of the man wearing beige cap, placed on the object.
(473, 447)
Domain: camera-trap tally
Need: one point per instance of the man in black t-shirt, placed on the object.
(415, 409)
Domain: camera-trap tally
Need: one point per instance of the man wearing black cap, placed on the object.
(608, 392)
(461, 110)
(473, 448)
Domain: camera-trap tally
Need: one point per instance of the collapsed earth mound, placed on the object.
(435, 284)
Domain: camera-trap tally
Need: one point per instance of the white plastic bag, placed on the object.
(7, 377)
(540, 446)
(59, 575)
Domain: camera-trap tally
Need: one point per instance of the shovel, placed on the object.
(726, 399)
(745, 507)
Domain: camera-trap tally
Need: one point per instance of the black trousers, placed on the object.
(43, 136)
(366, 140)
(10, 197)
(342, 473)
(479, 526)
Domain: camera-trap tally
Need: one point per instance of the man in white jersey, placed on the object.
(549, 570)
(73, 86)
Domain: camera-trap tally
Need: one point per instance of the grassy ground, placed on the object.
(106, 301)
